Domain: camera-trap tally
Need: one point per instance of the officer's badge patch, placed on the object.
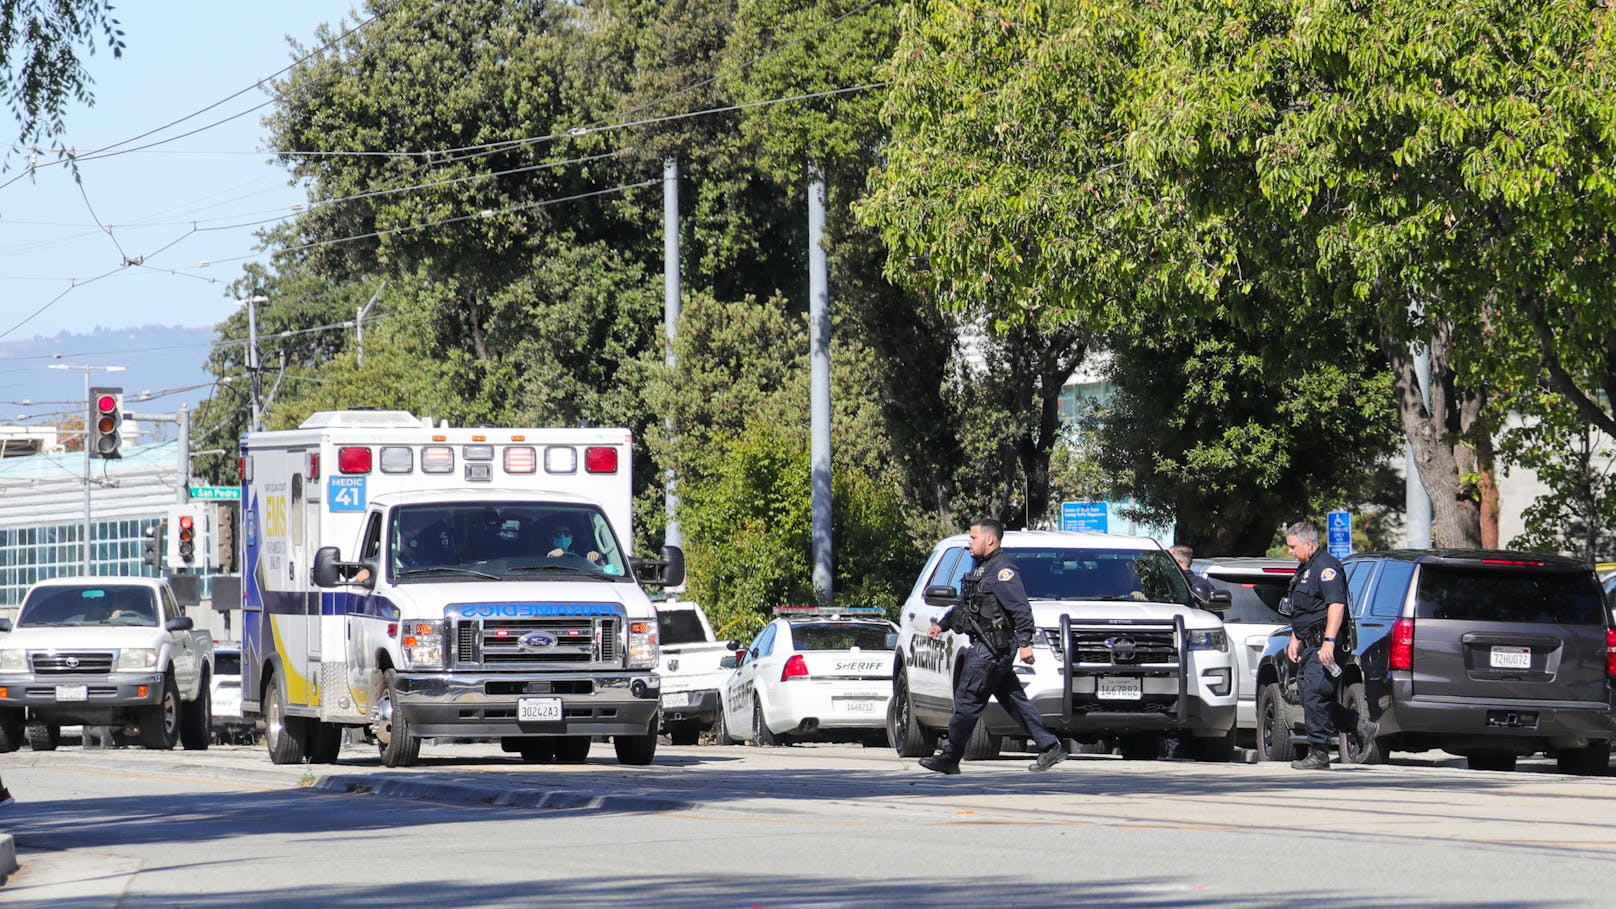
(1327, 574)
(1006, 574)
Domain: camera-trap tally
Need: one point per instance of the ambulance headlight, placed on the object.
(642, 644)
(134, 659)
(423, 645)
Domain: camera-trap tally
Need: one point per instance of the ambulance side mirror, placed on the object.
(331, 571)
(668, 571)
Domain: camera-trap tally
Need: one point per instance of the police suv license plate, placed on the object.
(1119, 688)
(538, 710)
(1511, 658)
(72, 692)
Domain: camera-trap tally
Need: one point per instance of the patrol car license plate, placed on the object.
(1511, 658)
(676, 699)
(72, 692)
(860, 705)
(1119, 688)
(538, 710)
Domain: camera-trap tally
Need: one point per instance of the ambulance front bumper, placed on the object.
(477, 705)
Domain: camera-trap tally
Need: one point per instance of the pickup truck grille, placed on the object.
(562, 642)
(73, 662)
(1124, 646)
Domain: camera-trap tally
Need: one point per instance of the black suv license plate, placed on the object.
(1512, 719)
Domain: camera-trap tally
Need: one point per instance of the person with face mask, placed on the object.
(561, 542)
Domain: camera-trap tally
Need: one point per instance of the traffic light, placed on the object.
(105, 423)
(156, 545)
(187, 537)
(224, 536)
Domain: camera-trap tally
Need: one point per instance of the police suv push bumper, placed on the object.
(517, 669)
(1138, 672)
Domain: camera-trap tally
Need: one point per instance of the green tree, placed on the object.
(1576, 462)
(40, 48)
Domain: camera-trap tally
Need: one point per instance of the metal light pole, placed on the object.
(87, 407)
(359, 322)
(252, 352)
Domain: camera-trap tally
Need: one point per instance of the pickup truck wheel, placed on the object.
(537, 751)
(325, 742)
(761, 736)
(12, 729)
(44, 736)
(572, 749)
(637, 750)
(1273, 726)
(1358, 746)
(982, 746)
(1593, 760)
(286, 736)
(196, 718)
(399, 747)
(685, 733)
(909, 737)
(1140, 747)
(160, 723)
(721, 734)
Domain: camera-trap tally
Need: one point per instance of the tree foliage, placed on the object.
(40, 47)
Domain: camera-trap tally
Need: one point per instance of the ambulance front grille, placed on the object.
(562, 642)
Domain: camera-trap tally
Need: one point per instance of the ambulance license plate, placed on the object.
(1119, 688)
(1511, 658)
(538, 710)
(72, 692)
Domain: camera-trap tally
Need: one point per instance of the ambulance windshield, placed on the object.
(500, 540)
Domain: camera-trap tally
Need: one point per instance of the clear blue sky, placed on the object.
(181, 56)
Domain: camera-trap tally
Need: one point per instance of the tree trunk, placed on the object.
(1436, 435)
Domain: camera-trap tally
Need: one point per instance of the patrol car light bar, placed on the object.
(827, 611)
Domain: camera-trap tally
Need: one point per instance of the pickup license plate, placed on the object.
(538, 710)
(1511, 658)
(861, 705)
(676, 699)
(72, 692)
(1119, 688)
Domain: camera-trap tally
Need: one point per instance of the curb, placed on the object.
(494, 796)
(8, 857)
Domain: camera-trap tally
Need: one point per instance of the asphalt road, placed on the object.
(810, 826)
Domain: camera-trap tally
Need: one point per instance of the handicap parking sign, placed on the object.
(1339, 525)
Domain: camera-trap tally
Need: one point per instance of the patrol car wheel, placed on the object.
(285, 735)
(160, 723)
(196, 718)
(982, 746)
(1273, 726)
(909, 737)
(721, 734)
(44, 736)
(761, 736)
(1360, 745)
(399, 747)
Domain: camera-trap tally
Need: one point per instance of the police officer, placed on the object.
(994, 612)
(1318, 598)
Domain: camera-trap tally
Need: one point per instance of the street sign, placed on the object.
(1339, 524)
(216, 493)
(1084, 517)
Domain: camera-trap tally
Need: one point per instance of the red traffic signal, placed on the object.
(105, 424)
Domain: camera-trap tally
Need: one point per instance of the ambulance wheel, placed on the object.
(636, 749)
(399, 747)
(286, 735)
(981, 746)
(721, 734)
(325, 742)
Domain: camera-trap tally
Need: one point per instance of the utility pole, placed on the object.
(359, 323)
(673, 535)
(252, 353)
(88, 434)
(819, 384)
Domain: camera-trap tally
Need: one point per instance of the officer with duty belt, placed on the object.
(1318, 599)
(995, 613)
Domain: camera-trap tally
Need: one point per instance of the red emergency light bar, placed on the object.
(599, 459)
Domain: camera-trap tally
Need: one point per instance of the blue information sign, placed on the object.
(1084, 517)
(1339, 524)
(345, 494)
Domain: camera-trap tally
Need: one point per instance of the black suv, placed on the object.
(1485, 654)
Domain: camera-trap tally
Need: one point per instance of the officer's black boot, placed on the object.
(941, 765)
(1048, 758)
(1318, 758)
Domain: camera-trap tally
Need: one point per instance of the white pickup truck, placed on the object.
(104, 651)
(690, 670)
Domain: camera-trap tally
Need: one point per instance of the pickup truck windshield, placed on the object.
(110, 604)
(1101, 574)
(502, 540)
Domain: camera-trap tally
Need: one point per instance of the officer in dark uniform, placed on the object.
(1318, 599)
(995, 613)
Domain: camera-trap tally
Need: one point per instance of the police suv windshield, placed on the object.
(1101, 574)
(502, 540)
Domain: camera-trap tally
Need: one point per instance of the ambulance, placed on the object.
(418, 581)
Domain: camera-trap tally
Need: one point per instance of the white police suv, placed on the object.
(1121, 653)
(811, 674)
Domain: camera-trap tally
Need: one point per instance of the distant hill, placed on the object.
(166, 360)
